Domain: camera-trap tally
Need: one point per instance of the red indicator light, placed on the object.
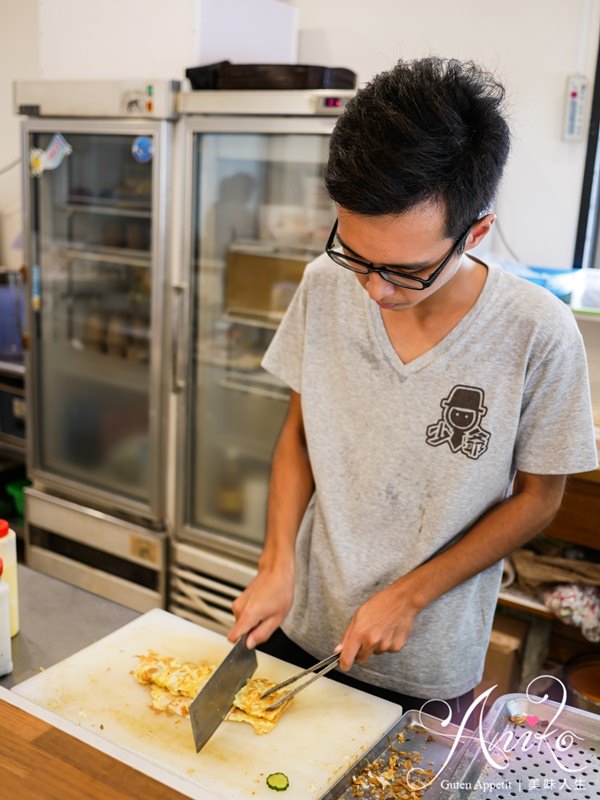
(573, 94)
(333, 102)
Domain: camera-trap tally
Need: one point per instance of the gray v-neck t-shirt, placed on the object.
(406, 457)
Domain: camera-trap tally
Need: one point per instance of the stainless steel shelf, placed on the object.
(240, 529)
(242, 382)
(10, 446)
(103, 478)
(112, 255)
(251, 381)
(215, 356)
(100, 367)
(110, 209)
(271, 323)
(12, 369)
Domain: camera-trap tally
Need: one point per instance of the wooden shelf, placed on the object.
(577, 518)
(514, 598)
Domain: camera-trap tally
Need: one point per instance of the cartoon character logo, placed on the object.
(460, 423)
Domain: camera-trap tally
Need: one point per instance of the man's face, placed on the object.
(414, 241)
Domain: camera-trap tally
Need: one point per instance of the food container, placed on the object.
(94, 331)
(419, 741)
(582, 676)
(296, 225)
(544, 750)
(586, 291)
(116, 335)
(225, 75)
(284, 223)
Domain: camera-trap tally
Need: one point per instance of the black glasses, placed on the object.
(388, 272)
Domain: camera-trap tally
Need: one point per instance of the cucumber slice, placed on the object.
(278, 781)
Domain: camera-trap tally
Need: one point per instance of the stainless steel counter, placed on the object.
(57, 620)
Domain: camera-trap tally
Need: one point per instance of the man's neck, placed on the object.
(414, 331)
(454, 298)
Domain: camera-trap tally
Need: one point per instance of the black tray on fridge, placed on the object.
(225, 75)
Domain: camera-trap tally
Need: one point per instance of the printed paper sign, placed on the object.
(50, 158)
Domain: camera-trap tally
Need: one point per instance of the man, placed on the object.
(437, 403)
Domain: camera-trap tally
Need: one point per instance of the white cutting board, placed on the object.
(321, 733)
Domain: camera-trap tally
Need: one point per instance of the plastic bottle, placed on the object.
(6, 663)
(8, 553)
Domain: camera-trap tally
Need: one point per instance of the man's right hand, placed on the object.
(263, 605)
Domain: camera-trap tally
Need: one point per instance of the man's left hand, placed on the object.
(381, 625)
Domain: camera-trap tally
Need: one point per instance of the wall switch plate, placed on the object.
(576, 101)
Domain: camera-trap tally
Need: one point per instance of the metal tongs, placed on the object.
(324, 666)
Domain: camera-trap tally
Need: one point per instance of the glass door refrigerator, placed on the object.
(255, 212)
(96, 161)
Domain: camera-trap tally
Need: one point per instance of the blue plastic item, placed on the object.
(560, 282)
(12, 322)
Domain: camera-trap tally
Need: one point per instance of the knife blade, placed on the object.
(213, 702)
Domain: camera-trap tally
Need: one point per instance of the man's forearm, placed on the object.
(503, 529)
(290, 489)
(264, 604)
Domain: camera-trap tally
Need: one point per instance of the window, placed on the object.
(587, 242)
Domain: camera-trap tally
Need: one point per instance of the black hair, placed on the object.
(428, 130)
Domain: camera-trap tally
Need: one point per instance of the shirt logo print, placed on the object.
(459, 425)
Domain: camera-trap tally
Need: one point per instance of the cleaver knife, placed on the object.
(213, 702)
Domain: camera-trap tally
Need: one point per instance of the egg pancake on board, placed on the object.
(174, 684)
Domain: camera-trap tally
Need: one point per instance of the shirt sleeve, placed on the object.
(284, 356)
(556, 430)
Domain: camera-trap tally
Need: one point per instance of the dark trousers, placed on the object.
(280, 646)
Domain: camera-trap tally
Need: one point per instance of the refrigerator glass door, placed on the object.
(260, 214)
(92, 284)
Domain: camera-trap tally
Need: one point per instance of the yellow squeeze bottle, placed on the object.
(8, 554)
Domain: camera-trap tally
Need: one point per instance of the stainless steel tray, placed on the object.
(550, 751)
(434, 743)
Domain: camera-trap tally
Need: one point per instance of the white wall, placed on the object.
(158, 38)
(81, 39)
(19, 35)
(532, 44)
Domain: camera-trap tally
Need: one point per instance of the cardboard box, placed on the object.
(504, 656)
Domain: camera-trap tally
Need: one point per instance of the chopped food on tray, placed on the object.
(386, 778)
(174, 684)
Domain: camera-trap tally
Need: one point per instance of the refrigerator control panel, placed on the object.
(268, 102)
(118, 99)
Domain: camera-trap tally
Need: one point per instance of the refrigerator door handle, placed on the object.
(180, 337)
